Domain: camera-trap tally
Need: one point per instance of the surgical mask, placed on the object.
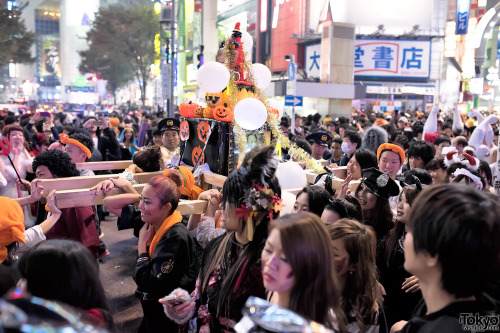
(345, 147)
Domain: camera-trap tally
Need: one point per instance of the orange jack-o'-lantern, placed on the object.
(187, 109)
(224, 98)
(208, 113)
(198, 112)
(245, 93)
(197, 154)
(204, 131)
(224, 113)
(184, 130)
(213, 98)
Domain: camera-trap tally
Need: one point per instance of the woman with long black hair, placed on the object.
(400, 286)
(373, 195)
(231, 265)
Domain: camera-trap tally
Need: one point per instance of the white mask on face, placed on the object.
(345, 147)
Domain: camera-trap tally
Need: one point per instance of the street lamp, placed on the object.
(167, 21)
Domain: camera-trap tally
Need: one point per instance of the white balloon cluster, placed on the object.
(250, 113)
(213, 77)
(291, 175)
(262, 75)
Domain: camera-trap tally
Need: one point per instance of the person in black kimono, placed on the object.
(402, 290)
(452, 248)
(373, 194)
(167, 254)
(231, 266)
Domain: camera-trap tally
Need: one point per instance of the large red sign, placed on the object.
(288, 18)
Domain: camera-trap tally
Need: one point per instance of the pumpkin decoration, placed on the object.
(245, 93)
(187, 109)
(198, 112)
(203, 131)
(224, 113)
(184, 130)
(197, 154)
(213, 98)
(208, 113)
(224, 98)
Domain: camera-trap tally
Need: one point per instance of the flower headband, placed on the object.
(64, 138)
(261, 199)
(467, 173)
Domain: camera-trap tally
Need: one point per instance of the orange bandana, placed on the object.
(174, 218)
(188, 187)
(64, 138)
(11, 225)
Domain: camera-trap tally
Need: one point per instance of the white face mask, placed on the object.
(345, 147)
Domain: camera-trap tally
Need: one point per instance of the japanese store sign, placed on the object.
(463, 9)
(313, 56)
(392, 58)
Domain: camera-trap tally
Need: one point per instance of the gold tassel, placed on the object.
(250, 228)
(240, 139)
(298, 153)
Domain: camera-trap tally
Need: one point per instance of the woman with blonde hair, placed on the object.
(354, 256)
(299, 272)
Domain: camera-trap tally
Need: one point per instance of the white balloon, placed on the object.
(247, 41)
(212, 77)
(291, 175)
(250, 113)
(262, 75)
(288, 202)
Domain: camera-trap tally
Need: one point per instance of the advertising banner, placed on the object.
(51, 64)
(392, 58)
(462, 20)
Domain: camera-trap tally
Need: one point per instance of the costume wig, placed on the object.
(373, 138)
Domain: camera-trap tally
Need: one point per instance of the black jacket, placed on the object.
(173, 265)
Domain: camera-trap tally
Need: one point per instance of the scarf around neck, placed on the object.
(174, 218)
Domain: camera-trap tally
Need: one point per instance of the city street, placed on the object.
(116, 275)
(355, 144)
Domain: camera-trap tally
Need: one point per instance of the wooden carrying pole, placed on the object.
(75, 191)
(105, 165)
(82, 182)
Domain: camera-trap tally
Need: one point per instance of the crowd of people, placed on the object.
(408, 243)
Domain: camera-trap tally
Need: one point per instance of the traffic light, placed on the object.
(200, 56)
(94, 78)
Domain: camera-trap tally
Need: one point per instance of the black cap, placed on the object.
(320, 138)
(170, 124)
(379, 183)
